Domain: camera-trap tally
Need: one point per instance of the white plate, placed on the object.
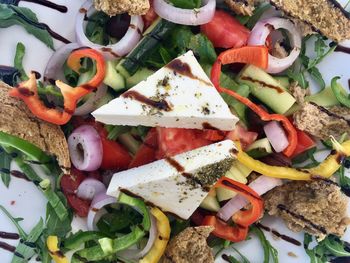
(22, 199)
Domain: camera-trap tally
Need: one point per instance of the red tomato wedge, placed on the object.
(80, 206)
(174, 141)
(225, 31)
(70, 182)
(241, 134)
(304, 143)
(147, 152)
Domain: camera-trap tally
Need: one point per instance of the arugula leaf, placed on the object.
(26, 248)
(203, 48)
(309, 65)
(187, 4)
(5, 164)
(95, 28)
(268, 248)
(18, 61)
(54, 225)
(326, 249)
(15, 221)
(13, 15)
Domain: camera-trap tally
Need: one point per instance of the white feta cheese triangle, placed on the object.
(178, 95)
(178, 184)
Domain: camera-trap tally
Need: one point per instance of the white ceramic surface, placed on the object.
(22, 198)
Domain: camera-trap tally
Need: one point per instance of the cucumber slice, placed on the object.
(113, 78)
(267, 89)
(130, 64)
(139, 76)
(210, 202)
(237, 172)
(259, 148)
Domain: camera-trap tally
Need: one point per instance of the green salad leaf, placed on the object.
(14, 15)
(269, 250)
(187, 4)
(5, 163)
(18, 61)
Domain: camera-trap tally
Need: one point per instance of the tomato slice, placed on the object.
(148, 150)
(173, 141)
(225, 31)
(81, 207)
(70, 182)
(304, 143)
(241, 134)
(214, 135)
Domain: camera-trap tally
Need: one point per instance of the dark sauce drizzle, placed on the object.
(7, 235)
(278, 89)
(49, 4)
(302, 218)
(160, 105)
(184, 69)
(42, 26)
(277, 234)
(7, 247)
(19, 175)
(342, 49)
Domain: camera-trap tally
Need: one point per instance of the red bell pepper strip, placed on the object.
(257, 56)
(242, 219)
(28, 92)
(223, 230)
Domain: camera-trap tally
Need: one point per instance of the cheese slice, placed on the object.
(178, 95)
(179, 184)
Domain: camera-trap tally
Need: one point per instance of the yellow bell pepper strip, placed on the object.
(159, 246)
(28, 90)
(54, 251)
(325, 169)
(257, 56)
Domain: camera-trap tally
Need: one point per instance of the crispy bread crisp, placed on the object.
(17, 120)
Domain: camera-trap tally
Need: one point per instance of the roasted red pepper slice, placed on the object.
(28, 92)
(242, 219)
(257, 56)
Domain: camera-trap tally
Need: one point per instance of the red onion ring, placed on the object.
(89, 188)
(119, 49)
(96, 209)
(276, 136)
(53, 68)
(261, 185)
(261, 31)
(54, 71)
(85, 148)
(191, 17)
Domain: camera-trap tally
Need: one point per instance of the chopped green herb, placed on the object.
(18, 61)
(15, 221)
(5, 164)
(187, 4)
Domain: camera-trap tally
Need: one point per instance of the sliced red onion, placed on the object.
(119, 49)
(85, 148)
(262, 30)
(261, 185)
(54, 67)
(276, 136)
(191, 17)
(89, 188)
(91, 104)
(96, 209)
(136, 254)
